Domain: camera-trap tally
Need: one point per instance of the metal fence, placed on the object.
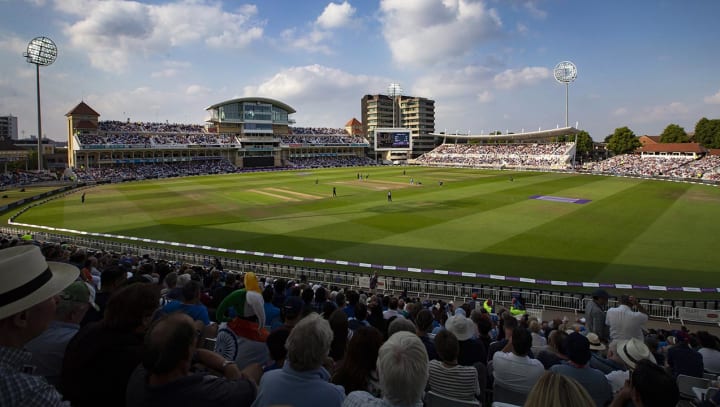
(535, 299)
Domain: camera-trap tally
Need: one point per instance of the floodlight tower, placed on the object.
(40, 51)
(394, 91)
(565, 72)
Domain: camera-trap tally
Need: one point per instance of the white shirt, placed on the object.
(516, 373)
(617, 379)
(625, 323)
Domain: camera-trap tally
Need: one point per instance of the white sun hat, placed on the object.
(26, 279)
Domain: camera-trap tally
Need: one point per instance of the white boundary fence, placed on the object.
(699, 311)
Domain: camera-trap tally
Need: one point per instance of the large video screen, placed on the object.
(392, 139)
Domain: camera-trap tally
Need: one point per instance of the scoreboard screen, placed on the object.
(392, 139)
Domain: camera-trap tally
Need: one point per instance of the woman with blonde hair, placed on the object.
(553, 389)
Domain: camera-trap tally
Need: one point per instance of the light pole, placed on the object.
(394, 91)
(566, 72)
(40, 51)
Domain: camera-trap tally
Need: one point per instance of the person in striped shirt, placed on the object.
(447, 377)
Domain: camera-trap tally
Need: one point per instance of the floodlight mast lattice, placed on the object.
(394, 91)
(40, 51)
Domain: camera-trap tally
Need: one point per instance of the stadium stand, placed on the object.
(515, 155)
(147, 274)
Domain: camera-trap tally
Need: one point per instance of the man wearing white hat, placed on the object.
(48, 349)
(28, 289)
(630, 352)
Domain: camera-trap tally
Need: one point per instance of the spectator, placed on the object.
(48, 349)
(424, 322)
(512, 368)
(447, 377)
(164, 377)
(471, 350)
(339, 326)
(276, 348)
(626, 354)
(625, 323)
(710, 351)
(593, 380)
(112, 279)
(100, 358)
(190, 305)
(272, 313)
(538, 341)
(554, 389)
(683, 359)
(358, 371)
(649, 386)
(403, 372)
(303, 381)
(509, 324)
(24, 315)
(392, 310)
(360, 318)
(398, 324)
(595, 314)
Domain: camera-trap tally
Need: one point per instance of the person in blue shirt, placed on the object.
(190, 305)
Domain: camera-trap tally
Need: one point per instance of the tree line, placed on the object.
(707, 134)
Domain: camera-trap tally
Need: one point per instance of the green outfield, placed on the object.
(631, 231)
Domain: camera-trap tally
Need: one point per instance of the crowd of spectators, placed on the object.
(17, 178)
(154, 139)
(130, 332)
(317, 130)
(116, 126)
(328, 162)
(638, 165)
(312, 139)
(707, 167)
(515, 155)
(164, 170)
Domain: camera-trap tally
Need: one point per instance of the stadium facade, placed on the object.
(8, 127)
(250, 132)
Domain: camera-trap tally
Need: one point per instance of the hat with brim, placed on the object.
(26, 279)
(634, 350)
(462, 327)
(595, 343)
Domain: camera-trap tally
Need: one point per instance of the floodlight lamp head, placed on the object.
(394, 89)
(41, 51)
(565, 72)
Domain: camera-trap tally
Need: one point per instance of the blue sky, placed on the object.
(487, 63)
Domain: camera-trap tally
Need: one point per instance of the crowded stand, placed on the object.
(119, 329)
(115, 126)
(152, 139)
(638, 165)
(328, 162)
(164, 170)
(9, 179)
(707, 167)
(516, 155)
(322, 139)
(317, 130)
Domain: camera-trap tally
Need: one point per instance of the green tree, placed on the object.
(707, 132)
(622, 141)
(584, 143)
(674, 134)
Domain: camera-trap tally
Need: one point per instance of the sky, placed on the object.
(488, 64)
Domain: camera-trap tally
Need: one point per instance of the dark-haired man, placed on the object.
(649, 385)
(593, 380)
(164, 378)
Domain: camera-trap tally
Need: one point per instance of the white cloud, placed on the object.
(14, 43)
(713, 99)
(195, 90)
(669, 113)
(311, 42)
(466, 81)
(428, 31)
(485, 97)
(335, 15)
(512, 78)
(620, 111)
(112, 32)
(532, 8)
(328, 96)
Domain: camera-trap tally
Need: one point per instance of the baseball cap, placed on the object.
(80, 291)
(600, 293)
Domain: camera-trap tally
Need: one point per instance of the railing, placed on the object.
(701, 311)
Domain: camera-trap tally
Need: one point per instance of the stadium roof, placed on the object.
(352, 122)
(83, 109)
(672, 148)
(561, 131)
(273, 102)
